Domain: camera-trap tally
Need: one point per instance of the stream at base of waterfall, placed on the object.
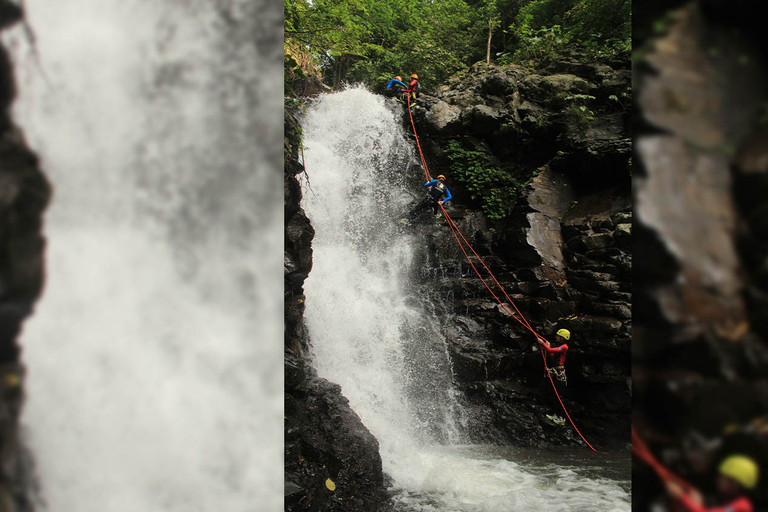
(471, 478)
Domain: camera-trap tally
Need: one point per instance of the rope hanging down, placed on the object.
(519, 317)
(641, 450)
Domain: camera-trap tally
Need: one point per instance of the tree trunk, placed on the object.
(488, 49)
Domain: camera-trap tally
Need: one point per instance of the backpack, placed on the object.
(438, 189)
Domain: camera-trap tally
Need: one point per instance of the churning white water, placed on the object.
(154, 361)
(371, 333)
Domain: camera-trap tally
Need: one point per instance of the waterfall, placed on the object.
(373, 334)
(368, 329)
(154, 362)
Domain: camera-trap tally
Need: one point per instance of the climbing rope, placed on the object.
(418, 145)
(519, 317)
(641, 450)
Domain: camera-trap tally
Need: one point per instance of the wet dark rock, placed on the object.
(24, 196)
(325, 439)
(590, 275)
(445, 117)
(485, 120)
(563, 256)
(621, 311)
(468, 367)
(298, 250)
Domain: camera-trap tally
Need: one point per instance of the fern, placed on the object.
(496, 190)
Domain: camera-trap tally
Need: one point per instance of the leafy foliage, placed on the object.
(578, 111)
(291, 70)
(372, 40)
(540, 44)
(601, 28)
(495, 189)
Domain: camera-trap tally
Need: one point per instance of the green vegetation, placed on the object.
(544, 28)
(291, 70)
(370, 41)
(496, 190)
(578, 111)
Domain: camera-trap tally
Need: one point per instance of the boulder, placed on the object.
(444, 118)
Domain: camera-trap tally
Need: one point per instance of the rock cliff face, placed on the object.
(24, 195)
(325, 441)
(563, 254)
(700, 357)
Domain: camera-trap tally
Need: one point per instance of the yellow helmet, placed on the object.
(565, 333)
(415, 76)
(741, 468)
(398, 77)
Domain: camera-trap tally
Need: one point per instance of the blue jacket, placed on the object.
(396, 82)
(448, 195)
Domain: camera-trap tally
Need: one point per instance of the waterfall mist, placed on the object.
(154, 360)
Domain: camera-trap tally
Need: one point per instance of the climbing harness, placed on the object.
(559, 373)
(519, 316)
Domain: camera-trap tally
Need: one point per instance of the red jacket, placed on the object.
(556, 355)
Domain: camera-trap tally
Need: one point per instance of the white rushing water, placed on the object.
(154, 357)
(372, 335)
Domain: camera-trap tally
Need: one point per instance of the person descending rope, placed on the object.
(737, 475)
(556, 355)
(414, 89)
(436, 189)
(396, 82)
(556, 363)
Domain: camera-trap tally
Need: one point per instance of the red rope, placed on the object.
(429, 178)
(519, 317)
(418, 145)
(641, 450)
(494, 278)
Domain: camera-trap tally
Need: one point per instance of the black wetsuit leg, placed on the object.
(424, 203)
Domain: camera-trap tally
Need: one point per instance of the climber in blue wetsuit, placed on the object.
(395, 86)
(436, 190)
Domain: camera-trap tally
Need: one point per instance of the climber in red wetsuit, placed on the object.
(737, 474)
(556, 355)
(413, 88)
